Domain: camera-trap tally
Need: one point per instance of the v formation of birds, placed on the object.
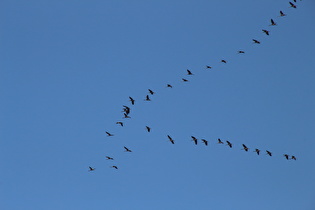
(126, 109)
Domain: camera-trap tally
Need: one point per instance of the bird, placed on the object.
(241, 52)
(109, 158)
(147, 98)
(132, 100)
(293, 157)
(127, 150)
(171, 140)
(282, 14)
(292, 5)
(185, 80)
(223, 61)
(265, 31)
(256, 41)
(151, 92)
(208, 67)
(205, 142)
(286, 156)
(170, 86)
(115, 167)
(148, 128)
(189, 72)
(245, 148)
(229, 144)
(109, 134)
(126, 116)
(91, 169)
(194, 139)
(220, 142)
(120, 123)
(269, 153)
(257, 151)
(126, 109)
(273, 23)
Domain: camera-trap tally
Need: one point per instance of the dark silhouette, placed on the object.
(245, 148)
(115, 167)
(147, 98)
(185, 80)
(229, 144)
(273, 23)
(171, 140)
(109, 134)
(205, 142)
(223, 61)
(148, 128)
(194, 139)
(256, 41)
(109, 158)
(266, 32)
(127, 150)
(220, 142)
(132, 100)
(282, 14)
(91, 169)
(189, 72)
(257, 151)
(170, 86)
(241, 52)
(269, 153)
(151, 92)
(292, 5)
(120, 123)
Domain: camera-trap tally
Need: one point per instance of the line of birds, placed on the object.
(126, 110)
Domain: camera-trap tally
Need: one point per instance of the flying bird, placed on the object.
(269, 153)
(126, 116)
(223, 61)
(208, 67)
(91, 169)
(245, 148)
(266, 32)
(282, 14)
(256, 41)
(194, 139)
(151, 92)
(109, 134)
(115, 167)
(273, 23)
(147, 98)
(170, 86)
(127, 150)
(241, 52)
(257, 151)
(148, 128)
(120, 123)
(109, 158)
(220, 142)
(189, 72)
(293, 157)
(286, 156)
(292, 5)
(185, 80)
(229, 144)
(126, 109)
(205, 142)
(132, 100)
(171, 140)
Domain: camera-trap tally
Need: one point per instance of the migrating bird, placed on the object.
(147, 98)
(126, 116)
(205, 142)
(208, 67)
(91, 169)
(257, 151)
(189, 72)
(223, 61)
(109, 158)
(115, 167)
(266, 32)
(293, 157)
(171, 140)
(120, 123)
(185, 80)
(286, 156)
(132, 100)
(292, 5)
(127, 150)
(170, 86)
(109, 134)
(273, 23)
(256, 41)
(126, 109)
(240, 52)
(269, 153)
(194, 139)
(151, 92)
(229, 144)
(220, 142)
(148, 128)
(282, 14)
(245, 148)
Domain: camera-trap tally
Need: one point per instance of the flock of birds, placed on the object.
(126, 109)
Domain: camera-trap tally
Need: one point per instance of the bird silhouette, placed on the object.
(229, 144)
(170, 139)
(269, 153)
(170, 86)
(147, 98)
(91, 169)
(256, 41)
(292, 5)
(151, 92)
(245, 148)
(194, 139)
(109, 158)
(257, 151)
(282, 14)
(189, 72)
(220, 142)
(127, 150)
(185, 80)
(109, 134)
(293, 157)
(126, 109)
(205, 142)
(266, 32)
(115, 167)
(208, 67)
(132, 100)
(126, 116)
(286, 156)
(120, 123)
(241, 52)
(273, 23)
(223, 61)
(148, 128)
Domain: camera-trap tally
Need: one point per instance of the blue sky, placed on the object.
(67, 68)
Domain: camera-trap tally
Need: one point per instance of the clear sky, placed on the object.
(68, 67)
